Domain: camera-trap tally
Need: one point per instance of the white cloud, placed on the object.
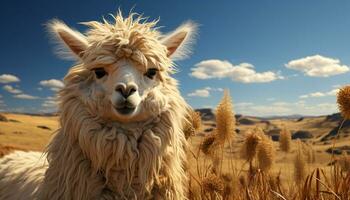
(199, 93)
(214, 89)
(287, 108)
(8, 78)
(243, 72)
(318, 66)
(333, 92)
(51, 98)
(205, 92)
(25, 96)
(49, 104)
(270, 110)
(317, 94)
(303, 96)
(11, 89)
(243, 104)
(208, 106)
(280, 103)
(53, 84)
(320, 94)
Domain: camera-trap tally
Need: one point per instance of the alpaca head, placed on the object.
(124, 67)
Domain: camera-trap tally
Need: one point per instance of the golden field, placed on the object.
(224, 173)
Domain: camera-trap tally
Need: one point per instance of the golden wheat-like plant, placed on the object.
(344, 162)
(343, 100)
(309, 152)
(299, 165)
(213, 184)
(265, 154)
(249, 147)
(193, 123)
(227, 179)
(208, 144)
(196, 120)
(285, 140)
(225, 119)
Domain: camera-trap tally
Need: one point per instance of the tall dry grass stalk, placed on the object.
(309, 152)
(225, 119)
(208, 145)
(343, 100)
(299, 165)
(285, 140)
(265, 154)
(344, 162)
(193, 123)
(249, 148)
(225, 125)
(250, 144)
(196, 120)
(213, 185)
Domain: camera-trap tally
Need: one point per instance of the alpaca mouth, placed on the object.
(124, 110)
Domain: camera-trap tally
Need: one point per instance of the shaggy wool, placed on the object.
(20, 175)
(93, 157)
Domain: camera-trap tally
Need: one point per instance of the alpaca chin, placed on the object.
(126, 114)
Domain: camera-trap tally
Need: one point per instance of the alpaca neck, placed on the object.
(128, 155)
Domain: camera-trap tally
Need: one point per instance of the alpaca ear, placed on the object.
(179, 41)
(67, 37)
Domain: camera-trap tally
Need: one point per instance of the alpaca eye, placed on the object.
(151, 73)
(100, 72)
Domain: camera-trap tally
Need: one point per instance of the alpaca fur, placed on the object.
(20, 175)
(94, 155)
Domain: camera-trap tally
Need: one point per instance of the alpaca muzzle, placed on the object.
(125, 107)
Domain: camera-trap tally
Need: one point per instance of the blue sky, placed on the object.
(276, 57)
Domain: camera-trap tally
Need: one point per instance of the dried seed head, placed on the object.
(213, 184)
(343, 100)
(207, 145)
(273, 182)
(344, 162)
(309, 152)
(285, 140)
(227, 177)
(228, 185)
(249, 147)
(192, 124)
(189, 131)
(225, 119)
(265, 154)
(299, 165)
(243, 181)
(196, 120)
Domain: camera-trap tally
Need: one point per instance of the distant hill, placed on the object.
(208, 114)
(32, 114)
(345, 127)
(295, 116)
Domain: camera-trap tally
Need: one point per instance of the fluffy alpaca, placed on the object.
(121, 116)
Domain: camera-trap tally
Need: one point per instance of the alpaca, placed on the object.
(121, 118)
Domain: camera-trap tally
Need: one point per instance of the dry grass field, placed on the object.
(27, 132)
(222, 171)
(252, 158)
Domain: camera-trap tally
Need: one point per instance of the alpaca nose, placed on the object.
(126, 90)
